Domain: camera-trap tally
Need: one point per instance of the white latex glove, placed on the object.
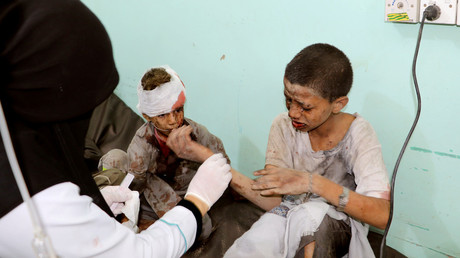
(211, 180)
(131, 211)
(115, 196)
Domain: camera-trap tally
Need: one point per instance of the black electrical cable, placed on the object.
(419, 107)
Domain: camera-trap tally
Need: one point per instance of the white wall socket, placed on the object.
(402, 11)
(448, 10)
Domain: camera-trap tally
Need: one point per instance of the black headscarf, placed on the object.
(56, 66)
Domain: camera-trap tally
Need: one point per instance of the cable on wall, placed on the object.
(431, 13)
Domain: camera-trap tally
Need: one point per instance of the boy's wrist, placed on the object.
(205, 153)
(310, 183)
(317, 184)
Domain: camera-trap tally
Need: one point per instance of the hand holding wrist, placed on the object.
(210, 181)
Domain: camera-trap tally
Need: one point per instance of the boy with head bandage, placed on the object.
(161, 99)
(162, 175)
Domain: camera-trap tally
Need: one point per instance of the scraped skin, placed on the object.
(167, 122)
(325, 124)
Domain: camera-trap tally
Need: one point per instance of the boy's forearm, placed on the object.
(242, 185)
(204, 154)
(370, 210)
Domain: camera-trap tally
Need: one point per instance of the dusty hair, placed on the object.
(154, 78)
(323, 68)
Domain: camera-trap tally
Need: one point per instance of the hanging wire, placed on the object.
(41, 243)
(419, 107)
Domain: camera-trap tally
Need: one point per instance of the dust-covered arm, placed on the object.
(243, 185)
(280, 181)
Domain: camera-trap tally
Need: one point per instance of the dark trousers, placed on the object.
(331, 240)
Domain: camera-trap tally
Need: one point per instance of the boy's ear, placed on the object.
(339, 104)
(146, 117)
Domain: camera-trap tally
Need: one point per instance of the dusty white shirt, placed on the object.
(356, 162)
(79, 228)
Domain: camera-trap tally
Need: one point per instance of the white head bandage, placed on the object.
(164, 98)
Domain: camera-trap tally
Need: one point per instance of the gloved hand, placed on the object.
(115, 196)
(211, 180)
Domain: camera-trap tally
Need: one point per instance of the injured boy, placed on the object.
(164, 175)
(324, 172)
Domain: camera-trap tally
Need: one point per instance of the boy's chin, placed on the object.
(166, 132)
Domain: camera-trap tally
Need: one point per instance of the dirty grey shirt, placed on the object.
(356, 162)
(167, 177)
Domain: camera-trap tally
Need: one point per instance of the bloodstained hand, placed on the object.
(180, 141)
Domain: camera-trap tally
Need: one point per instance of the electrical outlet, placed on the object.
(402, 11)
(448, 11)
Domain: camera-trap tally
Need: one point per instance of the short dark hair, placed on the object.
(154, 78)
(323, 68)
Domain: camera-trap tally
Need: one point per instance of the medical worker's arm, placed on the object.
(79, 228)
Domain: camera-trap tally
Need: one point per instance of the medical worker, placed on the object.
(56, 66)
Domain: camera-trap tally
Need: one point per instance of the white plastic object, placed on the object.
(448, 11)
(125, 183)
(406, 11)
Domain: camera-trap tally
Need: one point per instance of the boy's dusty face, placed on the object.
(307, 110)
(167, 122)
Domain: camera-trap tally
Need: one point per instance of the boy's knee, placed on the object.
(309, 250)
(115, 158)
(331, 240)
